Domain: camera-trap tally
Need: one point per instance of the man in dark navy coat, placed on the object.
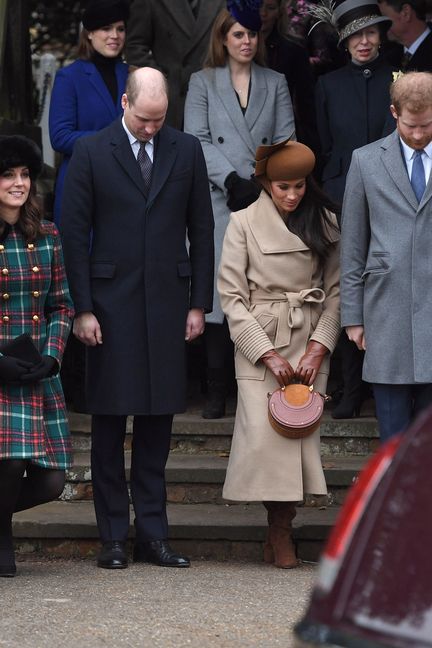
(134, 193)
(412, 32)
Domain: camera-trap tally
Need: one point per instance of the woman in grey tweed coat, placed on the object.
(34, 299)
(233, 105)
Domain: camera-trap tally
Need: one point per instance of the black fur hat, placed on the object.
(99, 13)
(17, 150)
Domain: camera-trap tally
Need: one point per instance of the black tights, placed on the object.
(218, 345)
(18, 493)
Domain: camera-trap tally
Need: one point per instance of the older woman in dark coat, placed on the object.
(353, 103)
(34, 437)
(353, 109)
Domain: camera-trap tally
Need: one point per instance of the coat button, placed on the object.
(35, 269)
(1, 248)
(264, 140)
(220, 140)
(36, 293)
(5, 318)
(35, 318)
(5, 296)
(30, 246)
(5, 271)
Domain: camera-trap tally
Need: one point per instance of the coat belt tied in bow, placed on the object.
(291, 315)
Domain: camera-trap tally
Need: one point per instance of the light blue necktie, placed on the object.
(418, 180)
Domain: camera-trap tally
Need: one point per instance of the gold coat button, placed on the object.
(5, 296)
(35, 269)
(1, 248)
(35, 318)
(36, 293)
(5, 318)
(5, 271)
(30, 246)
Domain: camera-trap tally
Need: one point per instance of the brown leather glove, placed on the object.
(310, 363)
(279, 367)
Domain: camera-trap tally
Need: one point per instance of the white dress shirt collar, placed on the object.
(135, 144)
(414, 46)
(409, 152)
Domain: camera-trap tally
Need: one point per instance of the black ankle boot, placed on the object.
(7, 559)
(214, 407)
(348, 406)
(353, 386)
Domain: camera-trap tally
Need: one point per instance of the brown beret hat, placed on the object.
(287, 160)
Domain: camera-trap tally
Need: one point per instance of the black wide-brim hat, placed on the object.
(246, 12)
(350, 16)
(16, 151)
(99, 13)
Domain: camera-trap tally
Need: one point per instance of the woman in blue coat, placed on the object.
(86, 95)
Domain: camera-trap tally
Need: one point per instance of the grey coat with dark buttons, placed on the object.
(229, 139)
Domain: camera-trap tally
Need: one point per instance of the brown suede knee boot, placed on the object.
(279, 547)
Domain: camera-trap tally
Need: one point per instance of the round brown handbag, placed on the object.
(295, 410)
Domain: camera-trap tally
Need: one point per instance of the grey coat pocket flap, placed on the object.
(184, 269)
(102, 270)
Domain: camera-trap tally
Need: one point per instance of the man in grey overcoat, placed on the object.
(172, 36)
(386, 271)
(134, 192)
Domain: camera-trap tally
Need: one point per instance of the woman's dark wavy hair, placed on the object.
(30, 218)
(312, 223)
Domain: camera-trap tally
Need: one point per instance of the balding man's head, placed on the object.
(145, 102)
(148, 81)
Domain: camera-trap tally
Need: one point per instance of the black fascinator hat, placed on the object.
(246, 12)
(17, 150)
(99, 13)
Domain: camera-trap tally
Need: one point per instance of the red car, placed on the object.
(374, 582)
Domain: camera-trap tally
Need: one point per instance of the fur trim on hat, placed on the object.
(17, 150)
(100, 13)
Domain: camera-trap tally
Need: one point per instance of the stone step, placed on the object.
(198, 478)
(194, 435)
(230, 532)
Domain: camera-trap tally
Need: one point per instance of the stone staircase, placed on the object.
(202, 524)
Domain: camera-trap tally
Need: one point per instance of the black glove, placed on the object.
(47, 367)
(241, 192)
(12, 369)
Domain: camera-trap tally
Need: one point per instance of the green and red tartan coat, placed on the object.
(34, 298)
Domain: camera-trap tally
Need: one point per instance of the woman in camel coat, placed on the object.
(279, 288)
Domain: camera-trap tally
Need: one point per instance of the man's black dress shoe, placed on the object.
(160, 553)
(113, 556)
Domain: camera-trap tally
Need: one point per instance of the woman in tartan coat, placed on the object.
(34, 299)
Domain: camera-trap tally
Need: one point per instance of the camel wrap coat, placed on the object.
(275, 296)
